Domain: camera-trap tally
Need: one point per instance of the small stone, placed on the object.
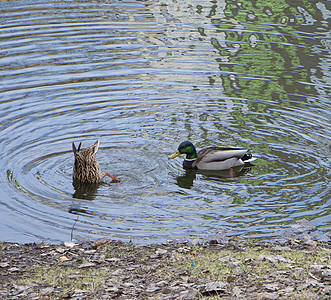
(268, 12)
(152, 288)
(236, 291)
(217, 287)
(70, 244)
(184, 249)
(251, 17)
(255, 263)
(14, 269)
(268, 296)
(79, 292)
(161, 251)
(48, 253)
(235, 264)
(196, 242)
(321, 271)
(311, 243)
(4, 265)
(188, 295)
(101, 242)
(225, 259)
(274, 258)
(162, 283)
(86, 265)
(22, 287)
(127, 284)
(327, 290)
(112, 259)
(113, 289)
(60, 250)
(326, 275)
(166, 290)
(272, 287)
(288, 292)
(280, 248)
(90, 251)
(47, 291)
(117, 272)
(298, 271)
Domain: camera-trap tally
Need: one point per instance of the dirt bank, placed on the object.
(106, 269)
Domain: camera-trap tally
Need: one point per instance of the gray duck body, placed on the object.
(217, 158)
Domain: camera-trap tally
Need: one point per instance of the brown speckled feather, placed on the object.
(86, 166)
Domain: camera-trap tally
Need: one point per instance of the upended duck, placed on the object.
(213, 158)
(86, 167)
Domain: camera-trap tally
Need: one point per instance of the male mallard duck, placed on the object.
(213, 158)
(86, 167)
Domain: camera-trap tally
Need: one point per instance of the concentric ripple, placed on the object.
(142, 76)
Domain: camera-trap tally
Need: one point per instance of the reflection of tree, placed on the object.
(258, 48)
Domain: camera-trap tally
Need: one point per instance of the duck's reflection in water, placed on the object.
(85, 191)
(186, 180)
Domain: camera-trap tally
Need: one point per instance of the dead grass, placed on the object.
(126, 271)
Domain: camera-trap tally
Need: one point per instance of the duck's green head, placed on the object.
(186, 148)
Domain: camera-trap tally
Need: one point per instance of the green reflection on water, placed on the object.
(260, 48)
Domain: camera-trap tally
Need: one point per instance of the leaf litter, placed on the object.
(108, 269)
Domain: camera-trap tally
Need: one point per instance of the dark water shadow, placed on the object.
(230, 173)
(85, 191)
(186, 181)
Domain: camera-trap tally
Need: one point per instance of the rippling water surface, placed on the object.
(142, 76)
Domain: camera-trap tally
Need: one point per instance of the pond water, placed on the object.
(143, 76)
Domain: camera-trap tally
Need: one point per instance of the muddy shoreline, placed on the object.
(108, 269)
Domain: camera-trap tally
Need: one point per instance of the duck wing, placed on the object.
(213, 154)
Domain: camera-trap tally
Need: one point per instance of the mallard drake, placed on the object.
(86, 167)
(213, 158)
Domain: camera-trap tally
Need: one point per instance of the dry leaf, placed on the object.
(64, 258)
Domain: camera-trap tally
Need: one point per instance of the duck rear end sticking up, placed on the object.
(86, 167)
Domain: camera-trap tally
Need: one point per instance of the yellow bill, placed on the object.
(176, 154)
